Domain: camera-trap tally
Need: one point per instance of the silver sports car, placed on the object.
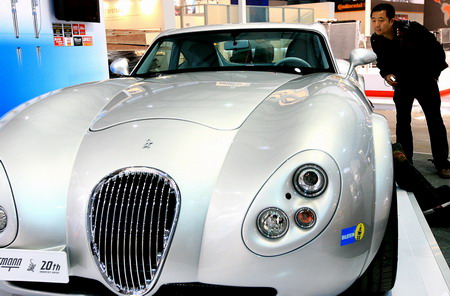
(235, 159)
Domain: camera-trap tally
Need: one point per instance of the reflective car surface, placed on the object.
(235, 158)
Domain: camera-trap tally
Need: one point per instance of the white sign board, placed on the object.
(34, 266)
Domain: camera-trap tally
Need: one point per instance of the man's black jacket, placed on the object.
(412, 55)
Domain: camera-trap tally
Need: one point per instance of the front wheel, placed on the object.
(381, 274)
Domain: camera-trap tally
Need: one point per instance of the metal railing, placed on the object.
(208, 14)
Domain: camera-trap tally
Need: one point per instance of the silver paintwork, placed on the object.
(231, 157)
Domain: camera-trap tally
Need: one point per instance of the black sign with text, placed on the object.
(78, 41)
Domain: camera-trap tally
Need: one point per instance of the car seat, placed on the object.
(303, 48)
(201, 55)
(264, 53)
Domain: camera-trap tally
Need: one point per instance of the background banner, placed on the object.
(437, 14)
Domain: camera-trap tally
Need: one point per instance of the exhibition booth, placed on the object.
(49, 44)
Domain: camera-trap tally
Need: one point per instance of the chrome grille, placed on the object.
(132, 217)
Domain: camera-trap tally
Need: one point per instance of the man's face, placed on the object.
(381, 23)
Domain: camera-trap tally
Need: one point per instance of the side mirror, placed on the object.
(360, 56)
(120, 67)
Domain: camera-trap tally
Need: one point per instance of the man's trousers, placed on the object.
(426, 92)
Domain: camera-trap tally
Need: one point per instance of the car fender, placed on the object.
(384, 184)
(43, 137)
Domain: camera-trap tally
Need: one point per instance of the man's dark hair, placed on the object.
(390, 10)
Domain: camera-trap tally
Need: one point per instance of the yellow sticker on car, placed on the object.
(359, 233)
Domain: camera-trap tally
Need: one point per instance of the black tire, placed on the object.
(381, 274)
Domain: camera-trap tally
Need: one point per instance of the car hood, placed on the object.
(215, 99)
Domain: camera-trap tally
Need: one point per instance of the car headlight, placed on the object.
(272, 223)
(3, 219)
(280, 219)
(305, 217)
(8, 213)
(310, 180)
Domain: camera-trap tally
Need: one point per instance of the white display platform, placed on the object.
(422, 269)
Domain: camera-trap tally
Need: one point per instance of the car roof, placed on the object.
(317, 27)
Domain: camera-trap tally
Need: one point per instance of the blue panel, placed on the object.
(33, 66)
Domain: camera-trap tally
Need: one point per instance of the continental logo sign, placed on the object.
(342, 6)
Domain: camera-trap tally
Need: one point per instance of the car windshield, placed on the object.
(301, 52)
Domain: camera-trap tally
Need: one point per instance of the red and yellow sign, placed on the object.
(82, 29)
(58, 41)
(75, 29)
(87, 41)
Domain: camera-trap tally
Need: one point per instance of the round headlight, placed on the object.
(3, 219)
(310, 180)
(305, 218)
(272, 223)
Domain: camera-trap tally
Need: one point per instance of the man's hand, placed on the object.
(391, 80)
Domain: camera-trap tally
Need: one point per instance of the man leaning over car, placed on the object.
(410, 59)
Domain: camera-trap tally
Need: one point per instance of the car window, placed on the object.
(159, 58)
(291, 51)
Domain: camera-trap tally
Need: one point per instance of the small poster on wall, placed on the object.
(67, 30)
(78, 41)
(68, 41)
(57, 29)
(87, 41)
(75, 29)
(58, 41)
(82, 29)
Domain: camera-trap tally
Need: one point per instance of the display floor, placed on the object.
(422, 269)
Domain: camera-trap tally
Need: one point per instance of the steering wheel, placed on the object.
(293, 62)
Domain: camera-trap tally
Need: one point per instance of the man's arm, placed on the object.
(383, 62)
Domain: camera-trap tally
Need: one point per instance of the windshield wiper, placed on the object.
(151, 75)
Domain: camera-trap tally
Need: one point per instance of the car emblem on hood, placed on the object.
(147, 144)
